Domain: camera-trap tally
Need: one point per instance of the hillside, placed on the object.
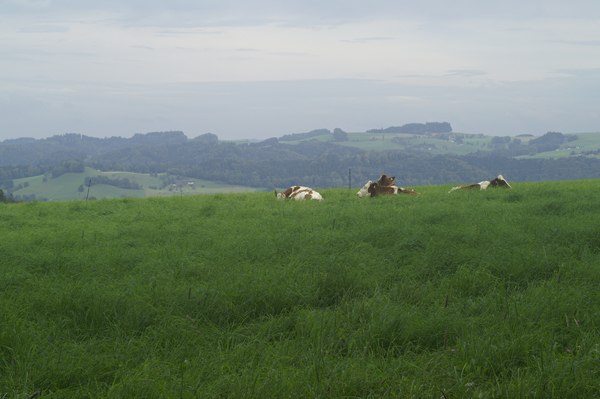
(469, 294)
(460, 144)
(320, 159)
(76, 185)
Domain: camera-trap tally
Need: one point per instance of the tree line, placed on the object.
(273, 163)
(121, 182)
(6, 198)
(417, 128)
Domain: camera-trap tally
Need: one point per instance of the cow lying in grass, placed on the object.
(499, 181)
(299, 193)
(373, 189)
(383, 186)
(386, 181)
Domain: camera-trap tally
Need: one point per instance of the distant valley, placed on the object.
(75, 166)
(93, 184)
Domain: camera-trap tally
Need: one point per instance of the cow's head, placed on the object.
(385, 181)
(500, 181)
(364, 191)
(284, 194)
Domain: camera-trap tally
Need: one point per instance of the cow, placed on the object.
(299, 193)
(386, 181)
(383, 186)
(370, 189)
(499, 181)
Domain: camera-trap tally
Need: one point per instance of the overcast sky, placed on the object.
(258, 69)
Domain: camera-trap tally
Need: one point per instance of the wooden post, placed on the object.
(88, 190)
(349, 178)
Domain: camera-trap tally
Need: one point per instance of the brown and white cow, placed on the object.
(499, 181)
(386, 181)
(383, 186)
(299, 193)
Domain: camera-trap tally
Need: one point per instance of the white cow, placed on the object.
(299, 193)
(499, 181)
(373, 189)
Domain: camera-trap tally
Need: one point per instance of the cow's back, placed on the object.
(300, 193)
(306, 193)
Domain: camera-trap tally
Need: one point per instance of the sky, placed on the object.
(254, 69)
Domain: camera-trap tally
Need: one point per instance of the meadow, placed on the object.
(490, 294)
(407, 142)
(67, 186)
(586, 144)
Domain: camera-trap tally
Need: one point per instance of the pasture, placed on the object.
(586, 144)
(67, 186)
(407, 142)
(469, 294)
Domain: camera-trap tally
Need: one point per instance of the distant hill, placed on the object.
(417, 128)
(319, 158)
(304, 136)
(94, 184)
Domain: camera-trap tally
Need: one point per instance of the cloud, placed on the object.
(271, 108)
(369, 39)
(465, 72)
(266, 67)
(45, 28)
(308, 12)
(593, 43)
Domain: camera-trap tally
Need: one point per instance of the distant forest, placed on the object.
(417, 128)
(274, 163)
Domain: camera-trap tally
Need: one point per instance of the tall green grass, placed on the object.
(469, 294)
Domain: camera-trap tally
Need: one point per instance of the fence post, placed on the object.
(349, 178)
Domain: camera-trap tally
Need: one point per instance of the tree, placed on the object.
(6, 198)
(339, 135)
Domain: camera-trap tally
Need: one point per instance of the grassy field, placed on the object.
(491, 294)
(470, 143)
(585, 143)
(66, 186)
(401, 141)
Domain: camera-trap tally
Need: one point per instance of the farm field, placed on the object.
(67, 186)
(468, 144)
(404, 141)
(490, 294)
(587, 144)
(399, 141)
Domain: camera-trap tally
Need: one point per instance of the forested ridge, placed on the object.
(273, 162)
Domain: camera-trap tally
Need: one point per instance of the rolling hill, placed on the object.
(70, 186)
(458, 144)
(55, 168)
